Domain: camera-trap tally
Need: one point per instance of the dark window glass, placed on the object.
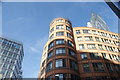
(77, 31)
(88, 78)
(97, 39)
(88, 38)
(101, 78)
(100, 47)
(60, 76)
(50, 45)
(110, 48)
(84, 55)
(59, 33)
(69, 35)
(86, 67)
(114, 78)
(49, 67)
(94, 32)
(74, 77)
(68, 28)
(110, 56)
(50, 54)
(86, 31)
(91, 46)
(60, 51)
(5, 42)
(43, 63)
(60, 41)
(117, 67)
(70, 43)
(109, 67)
(71, 52)
(98, 67)
(104, 55)
(60, 63)
(5, 52)
(81, 46)
(73, 65)
(42, 71)
(49, 78)
(94, 56)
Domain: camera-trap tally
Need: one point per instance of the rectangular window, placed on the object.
(110, 55)
(43, 63)
(59, 27)
(70, 43)
(74, 77)
(50, 54)
(110, 48)
(60, 51)
(59, 33)
(91, 46)
(97, 39)
(106, 41)
(106, 48)
(60, 20)
(69, 35)
(94, 32)
(73, 65)
(81, 46)
(50, 45)
(60, 63)
(48, 78)
(86, 67)
(94, 56)
(98, 67)
(77, 31)
(60, 41)
(49, 66)
(109, 67)
(115, 57)
(68, 22)
(104, 55)
(43, 70)
(100, 46)
(5, 52)
(117, 67)
(84, 55)
(88, 38)
(71, 52)
(60, 77)
(86, 31)
(118, 58)
(68, 28)
(79, 38)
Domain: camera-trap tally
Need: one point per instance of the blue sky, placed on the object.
(28, 22)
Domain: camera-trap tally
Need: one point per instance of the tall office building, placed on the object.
(96, 21)
(11, 56)
(80, 53)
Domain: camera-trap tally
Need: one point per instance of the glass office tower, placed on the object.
(11, 56)
(96, 21)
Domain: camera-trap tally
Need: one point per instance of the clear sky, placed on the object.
(28, 22)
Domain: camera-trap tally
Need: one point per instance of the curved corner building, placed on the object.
(80, 53)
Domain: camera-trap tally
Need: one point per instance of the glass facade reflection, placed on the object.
(11, 56)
